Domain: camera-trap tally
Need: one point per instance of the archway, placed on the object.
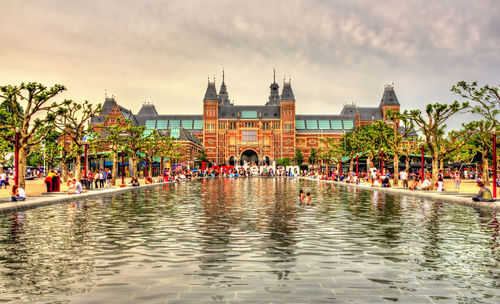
(249, 157)
(266, 161)
(232, 160)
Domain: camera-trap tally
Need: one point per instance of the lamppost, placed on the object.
(494, 165)
(422, 162)
(123, 170)
(16, 170)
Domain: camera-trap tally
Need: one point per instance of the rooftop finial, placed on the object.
(222, 75)
(274, 75)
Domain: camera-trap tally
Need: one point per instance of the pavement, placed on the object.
(44, 199)
(456, 197)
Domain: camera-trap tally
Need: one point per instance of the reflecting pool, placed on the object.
(250, 241)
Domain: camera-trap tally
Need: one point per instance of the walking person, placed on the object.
(456, 177)
(96, 179)
(3, 179)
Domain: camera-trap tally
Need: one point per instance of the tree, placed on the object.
(432, 124)
(484, 102)
(298, 159)
(370, 141)
(135, 142)
(313, 156)
(393, 137)
(202, 156)
(73, 121)
(332, 152)
(115, 141)
(284, 162)
(34, 99)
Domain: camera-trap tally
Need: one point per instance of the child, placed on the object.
(301, 197)
(308, 198)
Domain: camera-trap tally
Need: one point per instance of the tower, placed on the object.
(210, 115)
(287, 109)
(389, 101)
(274, 96)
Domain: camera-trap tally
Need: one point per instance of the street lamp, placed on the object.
(16, 176)
(494, 165)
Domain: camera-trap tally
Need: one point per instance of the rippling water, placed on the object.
(249, 241)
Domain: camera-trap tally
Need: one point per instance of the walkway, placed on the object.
(448, 196)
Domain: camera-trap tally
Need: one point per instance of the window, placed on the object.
(150, 124)
(210, 127)
(276, 125)
(232, 125)
(248, 114)
(300, 124)
(198, 124)
(222, 125)
(266, 141)
(187, 124)
(249, 135)
(301, 142)
(266, 126)
(162, 124)
(288, 127)
(232, 141)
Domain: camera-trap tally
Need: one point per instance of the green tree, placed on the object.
(432, 125)
(34, 98)
(392, 136)
(313, 156)
(284, 162)
(332, 153)
(298, 159)
(484, 102)
(135, 142)
(202, 156)
(115, 142)
(72, 122)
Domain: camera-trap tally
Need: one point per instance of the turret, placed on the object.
(274, 96)
(389, 101)
(223, 95)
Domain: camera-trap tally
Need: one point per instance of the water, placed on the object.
(249, 241)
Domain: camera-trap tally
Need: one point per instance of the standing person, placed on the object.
(456, 177)
(18, 194)
(101, 179)
(440, 181)
(96, 179)
(3, 179)
(373, 174)
(301, 196)
(108, 178)
(308, 198)
(403, 175)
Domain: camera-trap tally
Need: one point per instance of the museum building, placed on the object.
(237, 134)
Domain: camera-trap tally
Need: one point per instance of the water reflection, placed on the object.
(249, 240)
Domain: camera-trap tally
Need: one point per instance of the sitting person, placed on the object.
(17, 193)
(75, 187)
(484, 194)
(385, 182)
(414, 184)
(426, 184)
(134, 182)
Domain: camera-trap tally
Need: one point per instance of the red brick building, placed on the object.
(235, 134)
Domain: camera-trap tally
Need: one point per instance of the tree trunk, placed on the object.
(486, 169)
(368, 162)
(22, 165)
(64, 170)
(115, 168)
(435, 170)
(351, 164)
(395, 160)
(132, 164)
(78, 166)
(407, 164)
(441, 164)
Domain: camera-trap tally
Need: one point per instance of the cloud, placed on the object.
(335, 51)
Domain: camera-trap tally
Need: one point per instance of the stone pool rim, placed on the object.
(431, 195)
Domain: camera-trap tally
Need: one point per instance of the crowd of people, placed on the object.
(411, 181)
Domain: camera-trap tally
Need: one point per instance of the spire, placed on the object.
(223, 95)
(211, 93)
(274, 96)
(389, 97)
(287, 93)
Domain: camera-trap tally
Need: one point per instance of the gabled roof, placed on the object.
(287, 93)
(389, 97)
(148, 108)
(370, 114)
(211, 93)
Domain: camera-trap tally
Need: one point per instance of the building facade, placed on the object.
(237, 134)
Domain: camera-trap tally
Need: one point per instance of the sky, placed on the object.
(334, 52)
